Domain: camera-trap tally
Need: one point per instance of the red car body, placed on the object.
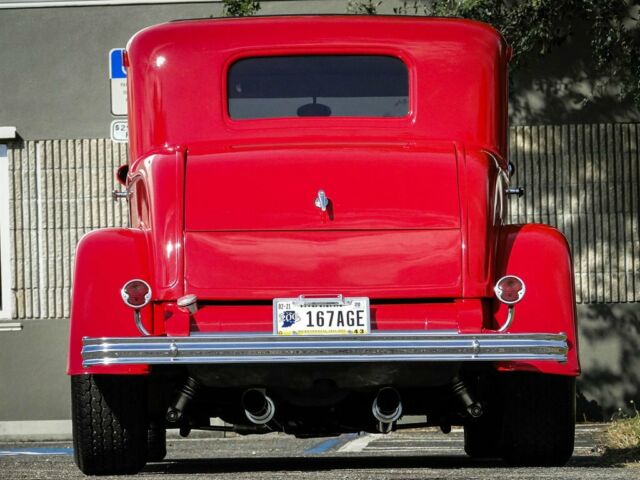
(223, 208)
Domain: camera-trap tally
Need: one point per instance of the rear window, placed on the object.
(318, 86)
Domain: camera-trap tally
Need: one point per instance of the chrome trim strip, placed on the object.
(377, 347)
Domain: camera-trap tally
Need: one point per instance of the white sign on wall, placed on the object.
(120, 131)
(118, 77)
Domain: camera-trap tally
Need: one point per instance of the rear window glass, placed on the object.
(318, 86)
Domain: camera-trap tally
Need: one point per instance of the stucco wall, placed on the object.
(54, 72)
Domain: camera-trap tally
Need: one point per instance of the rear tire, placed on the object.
(109, 423)
(483, 435)
(156, 443)
(539, 419)
(482, 438)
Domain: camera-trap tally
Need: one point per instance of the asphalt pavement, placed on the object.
(408, 454)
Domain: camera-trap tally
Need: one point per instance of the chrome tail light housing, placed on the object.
(510, 289)
(136, 293)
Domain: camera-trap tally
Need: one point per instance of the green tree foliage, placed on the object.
(363, 7)
(240, 8)
(535, 27)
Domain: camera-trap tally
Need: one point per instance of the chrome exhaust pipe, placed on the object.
(387, 408)
(258, 407)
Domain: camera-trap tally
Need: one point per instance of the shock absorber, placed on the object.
(186, 393)
(459, 389)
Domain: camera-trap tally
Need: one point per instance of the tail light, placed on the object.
(136, 293)
(509, 289)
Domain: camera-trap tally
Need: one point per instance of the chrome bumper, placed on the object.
(378, 347)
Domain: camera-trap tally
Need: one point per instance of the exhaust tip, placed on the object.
(258, 407)
(387, 407)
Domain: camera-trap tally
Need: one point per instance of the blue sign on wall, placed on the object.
(118, 80)
(116, 65)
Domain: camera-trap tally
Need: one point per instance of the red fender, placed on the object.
(540, 256)
(105, 260)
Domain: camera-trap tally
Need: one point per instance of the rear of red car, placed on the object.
(317, 246)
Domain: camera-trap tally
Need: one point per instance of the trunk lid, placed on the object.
(378, 188)
(391, 228)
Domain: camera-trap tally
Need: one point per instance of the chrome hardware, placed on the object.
(119, 195)
(511, 168)
(322, 201)
(378, 347)
(519, 191)
(189, 303)
(498, 290)
(258, 407)
(125, 295)
(137, 317)
(510, 316)
(387, 409)
(310, 299)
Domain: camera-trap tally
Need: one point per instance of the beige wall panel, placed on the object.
(584, 179)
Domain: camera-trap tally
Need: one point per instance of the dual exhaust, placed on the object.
(386, 408)
(260, 408)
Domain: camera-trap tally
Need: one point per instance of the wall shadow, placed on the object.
(562, 87)
(609, 336)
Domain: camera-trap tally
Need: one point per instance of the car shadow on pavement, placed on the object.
(271, 464)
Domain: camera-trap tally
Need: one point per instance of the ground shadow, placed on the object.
(271, 464)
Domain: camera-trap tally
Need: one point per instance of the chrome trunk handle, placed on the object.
(322, 201)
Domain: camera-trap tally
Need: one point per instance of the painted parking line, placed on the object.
(327, 445)
(11, 452)
(358, 444)
(431, 441)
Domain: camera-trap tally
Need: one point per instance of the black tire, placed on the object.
(109, 423)
(482, 437)
(156, 443)
(539, 419)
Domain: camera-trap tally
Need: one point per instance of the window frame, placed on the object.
(316, 54)
(320, 123)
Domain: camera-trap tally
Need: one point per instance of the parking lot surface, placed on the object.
(408, 454)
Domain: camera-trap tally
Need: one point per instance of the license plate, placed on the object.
(321, 316)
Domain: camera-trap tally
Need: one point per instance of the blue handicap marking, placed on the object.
(327, 445)
(116, 64)
(11, 452)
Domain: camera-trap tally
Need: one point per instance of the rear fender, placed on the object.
(540, 256)
(105, 260)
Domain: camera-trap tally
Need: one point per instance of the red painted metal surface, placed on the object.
(105, 260)
(431, 316)
(224, 208)
(263, 265)
(540, 256)
(369, 187)
(177, 80)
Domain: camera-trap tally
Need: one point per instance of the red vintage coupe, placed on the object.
(317, 245)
